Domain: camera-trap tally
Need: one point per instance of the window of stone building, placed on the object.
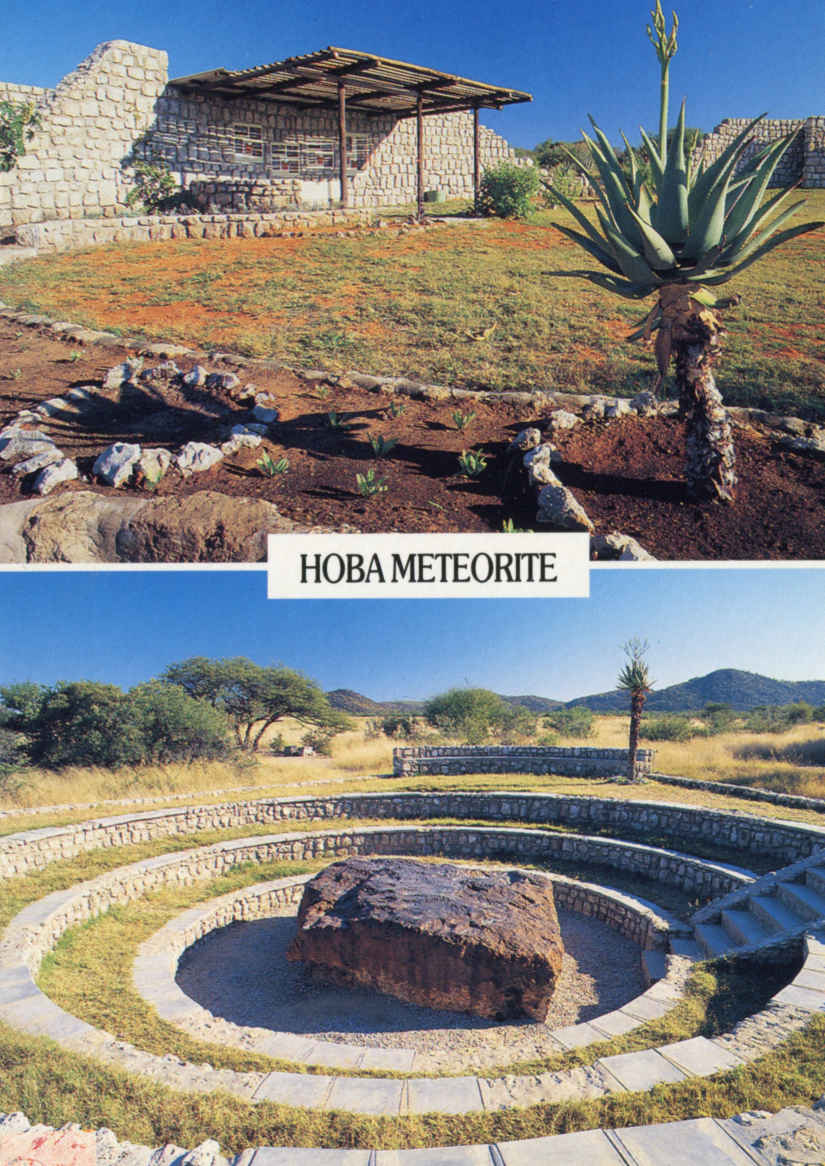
(249, 142)
(305, 154)
(286, 155)
(319, 154)
(358, 150)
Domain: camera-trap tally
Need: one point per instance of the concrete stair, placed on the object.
(763, 913)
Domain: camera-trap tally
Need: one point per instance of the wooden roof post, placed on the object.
(476, 161)
(420, 128)
(342, 143)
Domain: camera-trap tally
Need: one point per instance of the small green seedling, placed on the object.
(509, 527)
(336, 421)
(269, 467)
(369, 485)
(396, 408)
(472, 462)
(381, 445)
(462, 420)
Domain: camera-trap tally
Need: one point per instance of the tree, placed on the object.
(476, 714)
(635, 679)
(83, 722)
(254, 697)
(174, 726)
(686, 231)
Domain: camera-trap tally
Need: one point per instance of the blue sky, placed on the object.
(126, 626)
(735, 59)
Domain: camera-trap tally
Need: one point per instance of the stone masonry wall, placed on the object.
(573, 762)
(201, 139)
(26, 94)
(804, 160)
(73, 166)
(682, 826)
(236, 156)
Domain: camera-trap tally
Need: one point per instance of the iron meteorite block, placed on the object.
(440, 935)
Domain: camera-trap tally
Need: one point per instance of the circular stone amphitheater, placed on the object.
(646, 891)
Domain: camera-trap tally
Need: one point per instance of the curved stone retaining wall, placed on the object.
(409, 761)
(156, 965)
(681, 825)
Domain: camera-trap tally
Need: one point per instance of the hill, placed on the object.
(741, 690)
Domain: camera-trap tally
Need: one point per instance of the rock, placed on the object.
(151, 466)
(206, 1154)
(166, 371)
(617, 408)
(812, 446)
(240, 441)
(595, 409)
(226, 381)
(14, 1123)
(195, 378)
(166, 351)
(561, 419)
(55, 474)
(204, 527)
(115, 465)
(558, 507)
(120, 374)
(526, 440)
(645, 404)
(38, 461)
(53, 407)
(538, 464)
(442, 936)
(615, 547)
(264, 415)
(75, 526)
(24, 443)
(197, 456)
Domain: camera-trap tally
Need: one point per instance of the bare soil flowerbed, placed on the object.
(627, 474)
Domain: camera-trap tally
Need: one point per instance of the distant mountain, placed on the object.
(741, 690)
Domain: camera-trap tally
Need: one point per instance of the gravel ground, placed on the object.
(240, 975)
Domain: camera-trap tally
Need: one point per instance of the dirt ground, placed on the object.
(627, 474)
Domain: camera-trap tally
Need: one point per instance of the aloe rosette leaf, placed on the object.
(677, 227)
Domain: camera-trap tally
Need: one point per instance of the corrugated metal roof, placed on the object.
(372, 84)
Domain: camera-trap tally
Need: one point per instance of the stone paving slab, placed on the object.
(699, 1057)
(395, 1060)
(291, 1156)
(304, 1089)
(581, 1083)
(444, 1095)
(795, 1135)
(811, 977)
(641, 1070)
(615, 1023)
(646, 1008)
(437, 1156)
(335, 1056)
(808, 998)
(698, 1142)
(576, 1036)
(587, 1148)
(366, 1095)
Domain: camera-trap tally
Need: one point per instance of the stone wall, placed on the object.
(569, 762)
(682, 826)
(254, 155)
(804, 160)
(229, 155)
(23, 94)
(73, 166)
(68, 234)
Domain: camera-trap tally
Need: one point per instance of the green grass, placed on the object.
(411, 304)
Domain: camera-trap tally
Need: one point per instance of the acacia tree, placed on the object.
(679, 233)
(254, 697)
(635, 679)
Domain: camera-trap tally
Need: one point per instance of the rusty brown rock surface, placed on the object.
(446, 936)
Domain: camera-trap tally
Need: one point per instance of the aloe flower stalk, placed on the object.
(691, 229)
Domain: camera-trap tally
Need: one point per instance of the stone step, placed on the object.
(802, 899)
(815, 878)
(713, 939)
(654, 965)
(774, 914)
(745, 928)
(683, 945)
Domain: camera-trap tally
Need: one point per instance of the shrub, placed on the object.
(155, 188)
(718, 717)
(669, 728)
(573, 722)
(18, 121)
(509, 191)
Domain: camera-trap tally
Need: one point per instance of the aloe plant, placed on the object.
(691, 228)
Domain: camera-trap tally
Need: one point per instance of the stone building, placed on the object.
(332, 127)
